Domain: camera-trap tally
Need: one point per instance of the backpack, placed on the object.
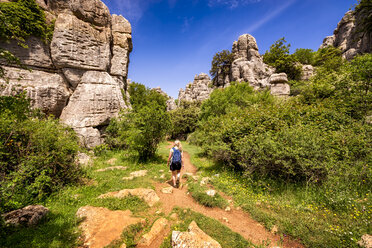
(176, 155)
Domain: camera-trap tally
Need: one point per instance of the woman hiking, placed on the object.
(175, 159)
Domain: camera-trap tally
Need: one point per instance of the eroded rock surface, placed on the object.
(351, 35)
(195, 237)
(157, 229)
(279, 84)
(148, 195)
(81, 75)
(198, 90)
(101, 226)
(27, 216)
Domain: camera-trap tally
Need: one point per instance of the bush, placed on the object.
(37, 155)
(141, 129)
(184, 120)
(304, 56)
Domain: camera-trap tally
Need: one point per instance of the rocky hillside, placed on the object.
(352, 34)
(80, 76)
(247, 66)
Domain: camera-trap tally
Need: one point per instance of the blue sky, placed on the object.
(175, 39)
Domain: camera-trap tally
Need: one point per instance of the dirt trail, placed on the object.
(238, 220)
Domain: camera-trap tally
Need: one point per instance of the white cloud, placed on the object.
(232, 4)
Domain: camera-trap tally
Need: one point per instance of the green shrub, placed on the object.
(141, 129)
(37, 155)
(199, 194)
(184, 120)
(304, 56)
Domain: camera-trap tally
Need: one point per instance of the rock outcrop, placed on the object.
(81, 75)
(195, 237)
(171, 103)
(279, 84)
(199, 90)
(351, 35)
(27, 216)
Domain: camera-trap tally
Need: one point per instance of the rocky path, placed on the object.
(236, 219)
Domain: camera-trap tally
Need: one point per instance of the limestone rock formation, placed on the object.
(81, 75)
(27, 216)
(248, 65)
(101, 226)
(199, 90)
(307, 72)
(171, 104)
(349, 36)
(157, 229)
(195, 237)
(279, 84)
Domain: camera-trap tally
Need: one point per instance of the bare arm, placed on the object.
(169, 158)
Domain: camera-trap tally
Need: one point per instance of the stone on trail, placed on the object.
(28, 216)
(366, 241)
(112, 161)
(128, 178)
(101, 226)
(195, 237)
(211, 192)
(205, 180)
(157, 228)
(148, 195)
(140, 173)
(112, 168)
(167, 190)
(227, 209)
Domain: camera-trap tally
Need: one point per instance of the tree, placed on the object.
(279, 57)
(304, 56)
(141, 129)
(184, 119)
(330, 58)
(221, 66)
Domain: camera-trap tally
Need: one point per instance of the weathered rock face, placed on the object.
(195, 237)
(81, 75)
(171, 104)
(199, 90)
(248, 65)
(27, 216)
(348, 36)
(279, 84)
(307, 72)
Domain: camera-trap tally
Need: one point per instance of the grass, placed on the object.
(213, 228)
(318, 216)
(60, 227)
(198, 192)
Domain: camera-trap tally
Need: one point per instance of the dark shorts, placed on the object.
(175, 166)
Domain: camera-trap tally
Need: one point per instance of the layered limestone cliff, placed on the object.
(80, 76)
(248, 66)
(351, 35)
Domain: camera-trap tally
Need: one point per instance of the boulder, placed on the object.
(307, 72)
(28, 216)
(279, 84)
(157, 229)
(47, 91)
(195, 237)
(101, 226)
(78, 44)
(92, 11)
(148, 195)
(366, 241)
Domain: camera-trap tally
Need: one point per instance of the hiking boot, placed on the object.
(177, 183)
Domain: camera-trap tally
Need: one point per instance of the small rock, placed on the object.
(155, 177)
(227, 209)
(184, 211)
(28, 216)
(238, 208)
(140, 173)
(128, 178)
(157, 228)
(187, 193)
(162, 176)
(158, 212)
(211, 192)
(167, 190)
(230, 201)
(112, 161)
(216, 175)
(274, 229)
(205, 180)
(195, 237)
(174, 216)
(366, 241)
(196, 178)
(225, 219)
(84, 159)
(112, 168)
(123, 245)
(161, 171)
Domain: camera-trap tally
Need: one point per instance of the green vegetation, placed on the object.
(304, 56)
(221, 65)
(143, 127)
(37, 154)
(198, 192)
(213, 228)
(279, 57)
(184, 120)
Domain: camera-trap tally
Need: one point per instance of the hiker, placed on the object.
(175, 159)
